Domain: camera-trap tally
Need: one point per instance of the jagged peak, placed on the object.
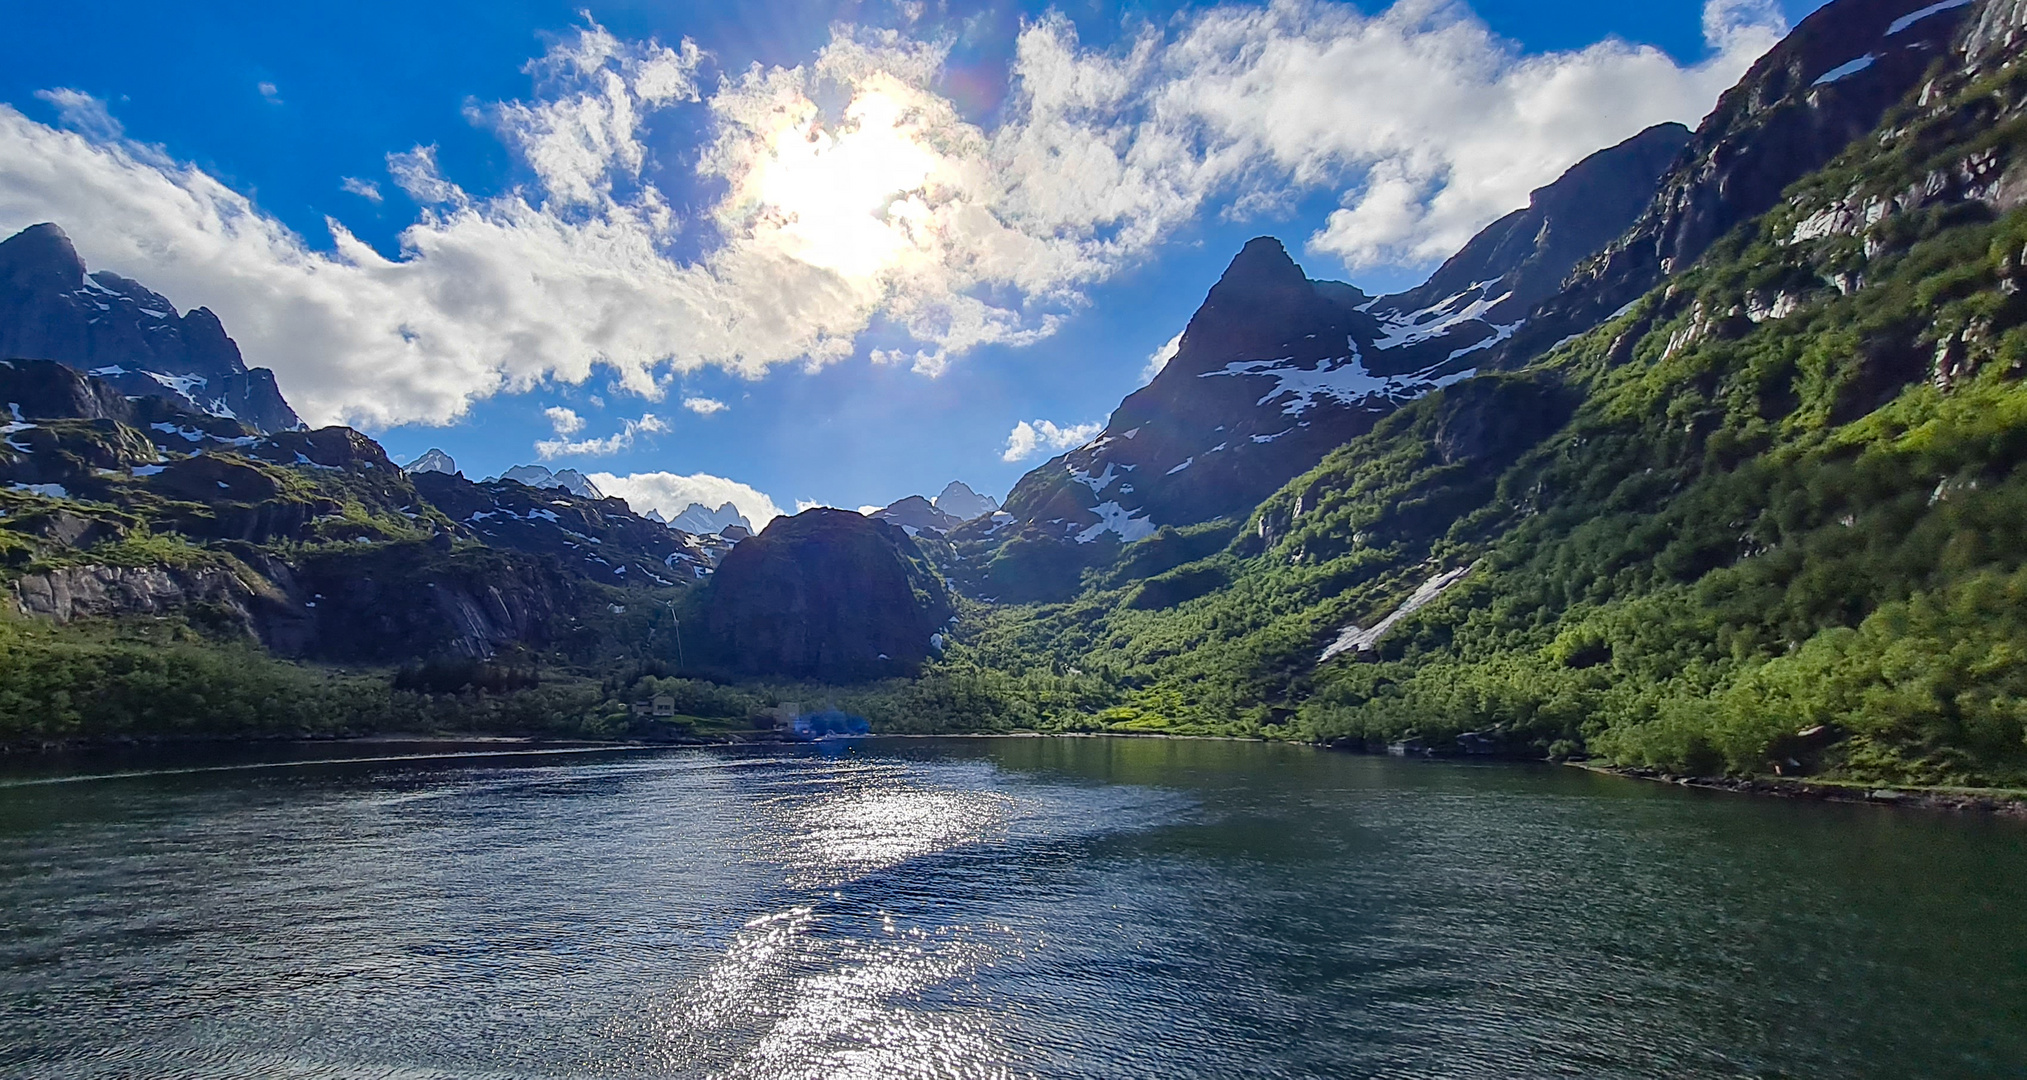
(1263, 265)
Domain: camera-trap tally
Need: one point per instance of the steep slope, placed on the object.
(103, 323)
(826, 594)
(964, 504)
(1826, 84)
(310, 542)
(1766, 520)
(1275, 369)
(916, 514)
(599, 539)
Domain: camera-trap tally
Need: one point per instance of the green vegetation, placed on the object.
(1779, 531)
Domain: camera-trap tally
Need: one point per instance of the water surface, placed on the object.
(992, 908)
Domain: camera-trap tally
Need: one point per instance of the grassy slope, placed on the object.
(1745, 530)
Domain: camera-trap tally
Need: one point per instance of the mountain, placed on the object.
(1274, 370)
(1826, 84)
(1763, 520)
(570, 480)
(432, 460)
(699, 520)
(51, 309)
(917, 514)
(826, 594)
(964, 504)
(597, 538)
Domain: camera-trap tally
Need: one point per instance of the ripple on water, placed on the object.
(1068, 908)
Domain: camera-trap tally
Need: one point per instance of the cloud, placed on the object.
(83, 113)
(1031, 438)
(271, 93)
(365, 189)
(563, 446)
(704, 406)
(1159, 358)
(672, 493)
(870, 510)
(564, 421)
(855, 194)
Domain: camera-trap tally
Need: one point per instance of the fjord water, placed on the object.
(993, 908)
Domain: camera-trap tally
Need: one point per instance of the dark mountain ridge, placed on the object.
(51, 309)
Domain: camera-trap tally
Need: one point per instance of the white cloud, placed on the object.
(869, 510)
(884, 204)
(1159, 358)
(564, 446)
(564, 421)
(704, 406)
(672, 494)
(270, 92)
(1031, 438)
(83, 113)
(365, 189)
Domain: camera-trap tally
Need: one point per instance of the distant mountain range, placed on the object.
(1710, 460)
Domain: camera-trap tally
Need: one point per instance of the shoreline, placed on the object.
(1997, 802)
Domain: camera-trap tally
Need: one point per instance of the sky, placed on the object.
(793, 252)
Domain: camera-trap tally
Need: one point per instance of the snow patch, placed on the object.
(1845, 70)
(1343, 380)
(1116, 519)
(1913, 17)
(1354, 638)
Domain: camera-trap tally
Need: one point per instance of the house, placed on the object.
(664, 705)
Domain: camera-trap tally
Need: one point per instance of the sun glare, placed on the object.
(850, 199)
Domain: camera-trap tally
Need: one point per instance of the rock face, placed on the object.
(700, 520)
(570, 480)
(827, 594)
(601, 540)
(1828, 83)
(1275, 369)
(917, 514)
(432, 460)
(964, 504)
(1515, 263)
(120, 331)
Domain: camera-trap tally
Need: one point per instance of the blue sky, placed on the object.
(590, 241)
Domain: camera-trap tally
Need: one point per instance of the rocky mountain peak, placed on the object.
(917, 514)
(964, 504)
(433, 461)
(127, 334)
(40, 258)
(570, 480)
(700, 520)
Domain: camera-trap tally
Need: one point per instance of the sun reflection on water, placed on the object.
(840, 984)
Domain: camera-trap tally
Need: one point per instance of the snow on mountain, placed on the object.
(964, 504)
(700, 520)
(432, 460)
(118, 330)
(917, 514)
(1275, 370)
(570, 480)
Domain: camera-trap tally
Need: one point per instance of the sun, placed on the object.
(851, 199)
